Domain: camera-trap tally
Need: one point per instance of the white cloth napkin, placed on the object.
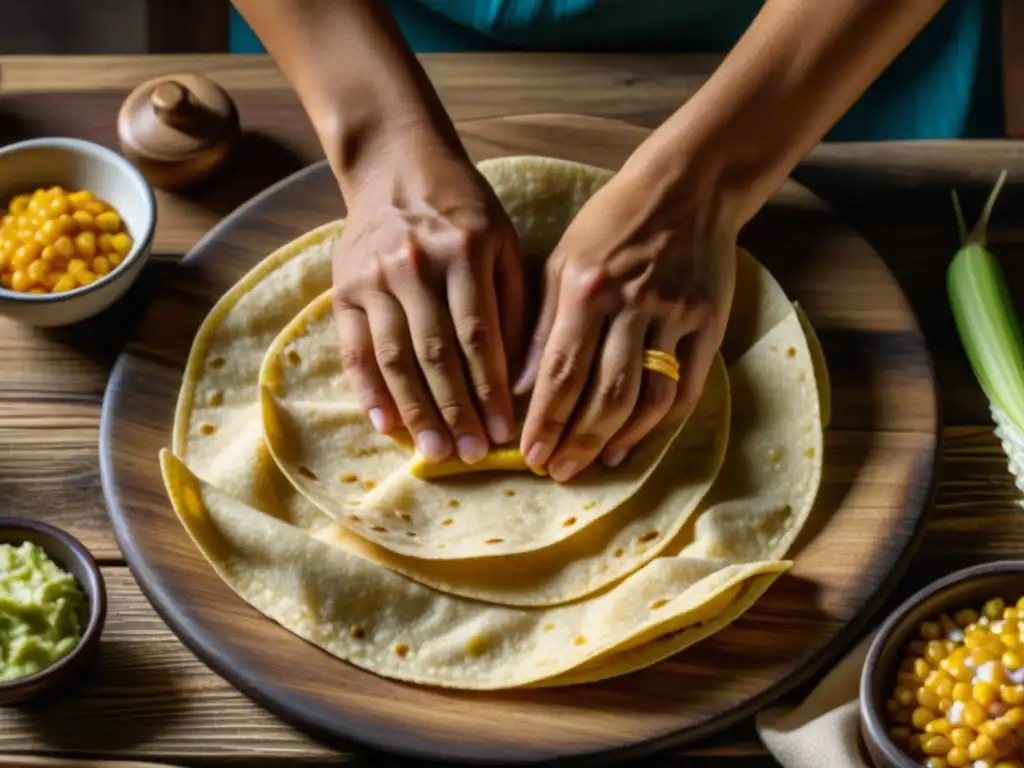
(823, 729)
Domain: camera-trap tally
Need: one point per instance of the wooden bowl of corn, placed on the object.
(943, 682)
(76, 226)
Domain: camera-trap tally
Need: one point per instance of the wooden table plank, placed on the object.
(150, 697)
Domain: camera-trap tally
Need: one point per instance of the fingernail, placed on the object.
(497, 427)
(563, 469)
(471, 449)
(377, 419)
(536, 456)
(432, 445)
(615, 458)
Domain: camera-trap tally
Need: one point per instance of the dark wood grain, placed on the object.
(879, 457)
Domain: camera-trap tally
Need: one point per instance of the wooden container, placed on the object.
(179, 130)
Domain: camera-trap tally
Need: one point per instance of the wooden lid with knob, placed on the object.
(178, 129)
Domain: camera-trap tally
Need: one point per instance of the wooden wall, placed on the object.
(113, 26)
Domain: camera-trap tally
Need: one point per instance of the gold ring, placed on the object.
(661, 362)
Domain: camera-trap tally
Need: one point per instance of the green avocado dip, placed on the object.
(42, 610)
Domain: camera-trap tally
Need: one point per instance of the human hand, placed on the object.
(645, 265)
(428, 300)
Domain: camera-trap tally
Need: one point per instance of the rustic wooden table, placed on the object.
(150, 698)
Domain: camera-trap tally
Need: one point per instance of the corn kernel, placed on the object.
(908, 680)
(5, 280)
(944, 688)
(945, 704)
(101, 265)
(902, 717)
(1010, 640)
(973, 714)
(122, 243)
(65, 283)
(962, 692)
(84, 220)
(921, 717)
(935, 762)
(1011, 660)
(37, 270)
(914, 744)
(19, 204)
(921, 669)
(85, 245)
(85, 277)
(81, 197)
(20, 281)
(981, 656)
(892, 706)
(36, 290)
(1014, 717)
(994, 729)
(929, 630)
(981, 747)
(993, 609)
(1012, 694)
(115, 258)
(50, 279)
(928, 699)
(64, 247)
(76, 265)
(1010, 614)
(957, 757)
(66, 225)
(974, 638)
(935, 651)
(95, 208)
(984, 693)
(105, 243)
(25, 255)
(961, 737)
(965, 616)
(939, 725)
(936, 745)
(1007, 764)
(58, 206)
(108, 221)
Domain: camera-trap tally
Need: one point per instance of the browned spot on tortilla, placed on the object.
(294, 357)
(307, 472)
(356, 633)
(217, 362)
(658, 604)
(379, 529)
(348, 477)
(579, 640)
(453, 503)
(493, 541)
(216, 398)
(447, 521)
(207, 429)
(619, 552)
(402, 650)
(369, 484)
(649, 536)
(569, 521)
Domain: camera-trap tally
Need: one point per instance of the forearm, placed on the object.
(353, 73)
(799, 67)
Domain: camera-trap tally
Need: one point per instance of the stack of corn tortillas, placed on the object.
(489, 576)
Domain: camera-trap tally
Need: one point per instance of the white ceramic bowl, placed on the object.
(77, 164)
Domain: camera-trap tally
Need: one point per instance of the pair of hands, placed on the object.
(430, 306)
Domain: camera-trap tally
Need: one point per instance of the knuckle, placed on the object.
(401, 260)
(549, 427)
(455, 414)
(658, 398)
(433, 350)
(416, 415)
(485, 391)
(353, 358)
(561, 370)
(588, 442)
(614, 393)
(390, 357)
(474, 335)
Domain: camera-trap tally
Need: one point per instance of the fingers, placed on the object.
(511, 296)
(657, 394)
(695, 361)
(474, 310)
(545, 321)
(393, 349)
(361, 369)
(562, 374)
(610, 399)
(437, 350)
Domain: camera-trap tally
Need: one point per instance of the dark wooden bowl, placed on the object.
(963, 589)
(69, 553)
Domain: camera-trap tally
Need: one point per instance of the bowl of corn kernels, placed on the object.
(76, 228)
(943, 682)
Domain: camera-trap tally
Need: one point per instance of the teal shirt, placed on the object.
(946, 84)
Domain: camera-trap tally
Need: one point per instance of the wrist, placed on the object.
(359, 145)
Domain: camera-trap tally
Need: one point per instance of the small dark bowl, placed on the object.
(68, 553)
(968, 588)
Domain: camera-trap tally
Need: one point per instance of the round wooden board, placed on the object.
(880, 462)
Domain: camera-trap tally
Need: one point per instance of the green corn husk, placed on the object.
(989, 330)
